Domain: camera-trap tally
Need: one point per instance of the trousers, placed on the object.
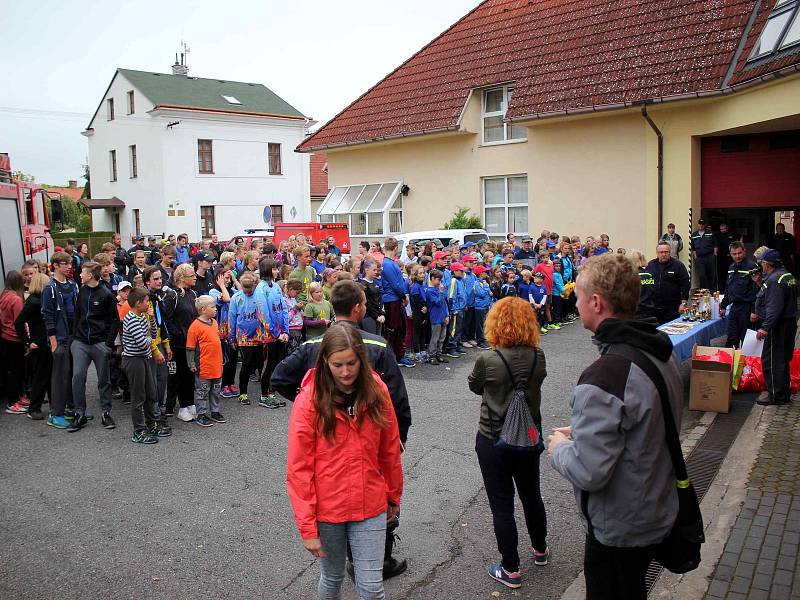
(82, 355)
(738, 324)
(180, 384)
(707, 272)
(395, 327)
(775, 358)
(142, 388)
(61, 380)
(367, 540)
(613, 573)
(206, 391)
(40, 364)
(502, 470)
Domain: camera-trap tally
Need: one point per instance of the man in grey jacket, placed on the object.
(615, 452)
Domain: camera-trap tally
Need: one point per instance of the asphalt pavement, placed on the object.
(205, 514)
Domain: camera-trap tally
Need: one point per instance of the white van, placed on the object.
(445, 236)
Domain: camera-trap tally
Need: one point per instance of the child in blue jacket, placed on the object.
(457, 302)
(483, 302)
(419, 312)
(438, 314)
(538, 299)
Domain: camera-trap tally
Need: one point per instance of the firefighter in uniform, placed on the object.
(704, 250)
(670, 284)
(776, 306)
(740, 295)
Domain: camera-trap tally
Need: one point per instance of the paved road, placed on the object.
(205, 513)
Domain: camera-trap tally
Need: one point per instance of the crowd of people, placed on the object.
(172, 328)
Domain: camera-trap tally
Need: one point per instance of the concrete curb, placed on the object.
(720, 507)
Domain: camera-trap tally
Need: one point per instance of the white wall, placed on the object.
(168, 167)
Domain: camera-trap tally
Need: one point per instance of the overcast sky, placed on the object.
(58, 57)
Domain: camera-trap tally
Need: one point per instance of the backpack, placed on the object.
(521, 432)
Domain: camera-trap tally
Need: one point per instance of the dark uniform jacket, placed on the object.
(670, 283)
(778, 300)
(96, 316)
(646, 307)
(740, 286)
(703, 242)
(290, 371)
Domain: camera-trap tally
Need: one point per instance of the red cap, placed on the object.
(439, 255)
(479, 269)
(456, 266)
(469, 257)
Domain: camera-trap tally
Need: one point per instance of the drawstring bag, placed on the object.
(520, 431)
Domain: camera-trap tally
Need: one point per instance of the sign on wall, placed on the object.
(267, 214)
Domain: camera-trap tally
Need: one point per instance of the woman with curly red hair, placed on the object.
(513, 331)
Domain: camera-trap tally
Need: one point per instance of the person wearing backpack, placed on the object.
(509, 379)
(615, 452)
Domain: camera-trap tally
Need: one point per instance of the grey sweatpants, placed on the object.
(438, 333)
(142, 383)
(206, 391)
(82, 355)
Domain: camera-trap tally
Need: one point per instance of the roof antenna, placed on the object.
(181, 68)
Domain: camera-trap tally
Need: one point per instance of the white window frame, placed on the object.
(790, 8)
(109, 109)
(506, 204)
(507, 127)
(331, 208)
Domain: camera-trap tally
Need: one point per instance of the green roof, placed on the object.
(179, 90)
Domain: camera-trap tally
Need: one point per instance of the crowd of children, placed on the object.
(164, 325)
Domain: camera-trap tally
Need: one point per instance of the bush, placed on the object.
(95, 239)
(461, 220)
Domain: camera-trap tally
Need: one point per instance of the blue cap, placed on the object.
(773, 257)
(551, 243)
(467, 245)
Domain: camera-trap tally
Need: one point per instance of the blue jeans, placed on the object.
(367, 542)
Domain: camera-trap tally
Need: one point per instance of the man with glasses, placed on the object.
(671, 284)
(59, 298)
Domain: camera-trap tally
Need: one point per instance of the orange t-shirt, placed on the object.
(122, 309)
(205, 338)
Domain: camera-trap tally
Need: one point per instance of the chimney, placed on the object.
(180, 68)
(73, 183)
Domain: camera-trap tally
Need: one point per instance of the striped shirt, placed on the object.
(137, 333)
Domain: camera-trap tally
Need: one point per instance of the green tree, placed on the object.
(462, 220)
(87, 189)
(22, 176)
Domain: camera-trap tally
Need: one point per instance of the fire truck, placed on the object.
(24, 222)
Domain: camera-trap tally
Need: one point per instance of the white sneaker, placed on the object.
(467, 345)
(193, 410)
(185, 414)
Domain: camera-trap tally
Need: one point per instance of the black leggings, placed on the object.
(13, 369)
(418, 332)
(275, 353)
(229, 368)
(180, 384)
(615, 573)
(501, 470)
(40, 366)
(252, 357)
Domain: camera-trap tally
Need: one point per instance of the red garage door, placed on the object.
(751, 171)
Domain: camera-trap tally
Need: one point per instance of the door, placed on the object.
(12, 254)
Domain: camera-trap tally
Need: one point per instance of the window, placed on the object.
(131, 103)
(132, 160)
(781, 30)
(505, 205)
(784, 140)
(277, 213)
(137, 224)
(230, 99)
(110, 109)
(495, 127)
(734, 143)
(207, 222)
(274, 151)
(371, 209)
(112, 165)
(205, 158)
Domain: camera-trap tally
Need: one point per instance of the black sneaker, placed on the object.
(442, 358)
(433, 361)
(116, 394)
(394, 567)
(203, 421)
(215, 416)
(77, 423)
(159, 430)
(36, 415)
(107, 421)
(142, 437)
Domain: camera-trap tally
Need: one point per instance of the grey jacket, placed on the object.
(618, 451)
(489, 378)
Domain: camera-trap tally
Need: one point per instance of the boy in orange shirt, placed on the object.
(204, 356)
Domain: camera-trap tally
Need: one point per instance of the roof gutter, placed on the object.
(724, 91)
(394, 136)
(660, 167)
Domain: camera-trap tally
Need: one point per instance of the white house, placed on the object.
(175, 153)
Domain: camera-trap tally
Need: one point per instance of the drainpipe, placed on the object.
(660, 137)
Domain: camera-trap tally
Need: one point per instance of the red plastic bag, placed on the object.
(794, 372)
(719, 357)
(752, 379)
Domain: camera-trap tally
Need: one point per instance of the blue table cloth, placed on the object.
(701, 334)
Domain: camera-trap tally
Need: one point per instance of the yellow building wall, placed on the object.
(587, 175)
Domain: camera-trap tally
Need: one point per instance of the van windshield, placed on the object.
(478, 238)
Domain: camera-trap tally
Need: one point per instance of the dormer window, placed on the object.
(494, 106)
(781, 30)
(230, 99)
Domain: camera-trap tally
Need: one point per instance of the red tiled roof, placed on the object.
(73, 193)
(562, 56)
(319, 176)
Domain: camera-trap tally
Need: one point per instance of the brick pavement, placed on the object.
(761, 559)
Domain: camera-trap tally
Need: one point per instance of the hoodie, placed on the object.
(248, 319)
(618, 452)
(96, 316)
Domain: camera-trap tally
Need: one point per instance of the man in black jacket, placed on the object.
(96, 328)
(350, 306)
(120, 255)
(741, 294)
(671, 284)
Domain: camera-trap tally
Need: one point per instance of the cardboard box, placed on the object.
(710, 387)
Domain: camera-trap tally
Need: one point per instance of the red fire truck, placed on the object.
(24, 222)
